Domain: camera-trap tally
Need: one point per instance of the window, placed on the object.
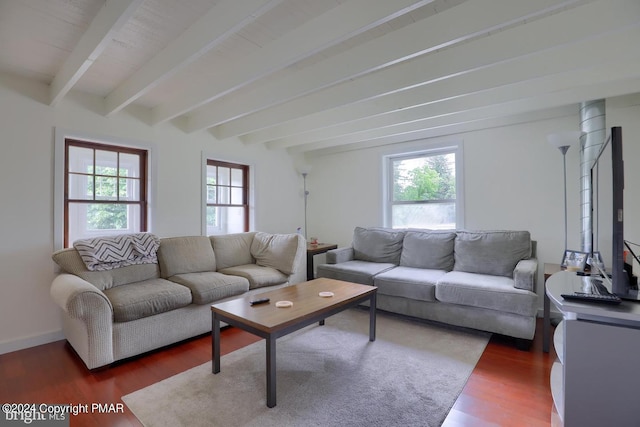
(105, 190)
(422, 189)
(227, 196)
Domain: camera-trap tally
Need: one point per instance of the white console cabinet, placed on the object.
(596, 379)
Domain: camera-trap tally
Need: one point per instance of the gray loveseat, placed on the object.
(121, 311)
(478, 279)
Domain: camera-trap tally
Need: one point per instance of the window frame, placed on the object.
(422, 149)
(247, 190)
(60, 172)
(142, 199)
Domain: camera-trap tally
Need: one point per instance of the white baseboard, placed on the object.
(33, 341)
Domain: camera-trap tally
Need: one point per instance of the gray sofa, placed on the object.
(478, 279)
(116, 311)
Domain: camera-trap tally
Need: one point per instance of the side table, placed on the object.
(549, 269)
(315, 249)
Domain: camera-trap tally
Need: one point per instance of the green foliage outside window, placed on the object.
(423, 191)
(107, 216)
(212, 216)
(429, 178)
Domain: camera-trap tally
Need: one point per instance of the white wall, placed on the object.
(27, 123)
(512, 180)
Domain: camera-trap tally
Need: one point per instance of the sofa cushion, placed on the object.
(143, 299)
(209, 286)
(491, 252)
(428, 249)
(407, 282)
(276, 251)
(354, 271)
(70, 261)
(257, 275)
(232, 249)
(486, 291)
(191, 254)
(377, 245)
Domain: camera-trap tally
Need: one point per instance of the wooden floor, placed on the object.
(508, 387)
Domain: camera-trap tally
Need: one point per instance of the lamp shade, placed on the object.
(304, 169)
(563, 140)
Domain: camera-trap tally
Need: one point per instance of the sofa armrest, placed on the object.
(79, 298)
(336, 256)
(87, 318)
(524, 275)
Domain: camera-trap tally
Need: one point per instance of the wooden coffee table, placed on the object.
(270, 322)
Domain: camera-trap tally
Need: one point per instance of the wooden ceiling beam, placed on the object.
(109, 20)
(453, 26)
(549, 33)
(338, 24)
(221, 21)
(527, 107)
(529, 76)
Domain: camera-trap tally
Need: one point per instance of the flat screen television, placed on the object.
(621, 284)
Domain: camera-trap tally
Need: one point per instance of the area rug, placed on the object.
(327, 375)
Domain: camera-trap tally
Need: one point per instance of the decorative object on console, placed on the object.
(563, 141)
(574, 260)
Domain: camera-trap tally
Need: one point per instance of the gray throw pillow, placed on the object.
(491, 252)
(232, 249)
(276, 251)
(377, 245)
(428, 249)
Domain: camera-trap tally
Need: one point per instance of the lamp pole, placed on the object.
(563, 141)
(563, 149)
(306, 195)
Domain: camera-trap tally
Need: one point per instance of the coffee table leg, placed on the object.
(372, 317)
(271, 372)
(215, 344)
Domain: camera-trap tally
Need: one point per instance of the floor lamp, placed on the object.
(563, 141)
(304, 171)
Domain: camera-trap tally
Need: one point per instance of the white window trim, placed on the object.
(204, 156)
(425, 147)
(60, 135)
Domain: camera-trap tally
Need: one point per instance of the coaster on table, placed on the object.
(284, 304)
(326, 294)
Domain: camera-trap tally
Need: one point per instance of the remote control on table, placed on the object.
(259, 301)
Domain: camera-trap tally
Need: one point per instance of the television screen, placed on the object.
(611, 173)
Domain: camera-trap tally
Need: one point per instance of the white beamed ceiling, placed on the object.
(315, 76)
